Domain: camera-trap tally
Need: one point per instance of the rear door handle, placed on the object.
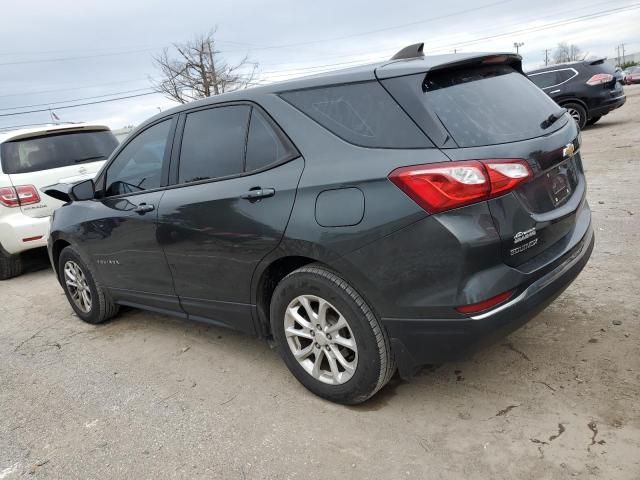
(144, 208)
(259, 193)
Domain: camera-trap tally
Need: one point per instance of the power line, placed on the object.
(54, 104)
(38, 92)
(64, 59)
(78, 105)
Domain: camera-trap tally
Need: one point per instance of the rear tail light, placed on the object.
(20, 195)
(486, 304)
(443, 186)
(599, 79)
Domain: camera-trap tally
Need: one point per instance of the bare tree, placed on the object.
(195, 69)
(566, 53)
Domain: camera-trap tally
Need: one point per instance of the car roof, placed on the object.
(395, 67)
(24, 133)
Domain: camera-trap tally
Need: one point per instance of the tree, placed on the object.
(195, 69)
(566, 53)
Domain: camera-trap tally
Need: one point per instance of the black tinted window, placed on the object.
(564, 75)
(360, 113)
(488, 105)
(139, 165)
(213, 143)
(266, 144)
(55, 151)
(544, 80)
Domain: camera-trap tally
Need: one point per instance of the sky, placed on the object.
(65, 52)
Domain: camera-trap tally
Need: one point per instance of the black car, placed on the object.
(380, 217)
(588, 89)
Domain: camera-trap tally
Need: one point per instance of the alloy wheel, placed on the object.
(575, 114)
(321, 339)
(77, 286)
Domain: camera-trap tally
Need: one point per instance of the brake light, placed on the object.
(444, 186)
(486, 304)
(20, 195)
(599, 79)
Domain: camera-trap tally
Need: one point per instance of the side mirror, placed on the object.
(83, 191)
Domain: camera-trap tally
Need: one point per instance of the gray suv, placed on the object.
(367, 221)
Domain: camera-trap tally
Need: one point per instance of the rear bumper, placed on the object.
(417, 342)
(19, 232)
(607, 106)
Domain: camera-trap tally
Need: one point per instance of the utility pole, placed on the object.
(618, 57)
(517, 46)
(546, 57)
(624, 60)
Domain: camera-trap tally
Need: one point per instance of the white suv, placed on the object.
(35, 158)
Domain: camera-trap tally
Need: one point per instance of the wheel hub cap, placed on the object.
(77, 286)
(321, 339)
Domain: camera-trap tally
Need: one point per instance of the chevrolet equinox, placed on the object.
(368, 220)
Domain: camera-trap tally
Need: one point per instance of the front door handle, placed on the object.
(144, 208)
(259, 193)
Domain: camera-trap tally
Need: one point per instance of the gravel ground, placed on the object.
(146, 396)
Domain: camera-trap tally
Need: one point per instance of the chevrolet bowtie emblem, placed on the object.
(568, 150)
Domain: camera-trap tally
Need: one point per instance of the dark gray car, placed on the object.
(368, 220)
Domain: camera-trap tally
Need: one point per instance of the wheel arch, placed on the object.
(266, 283)
(57, 247)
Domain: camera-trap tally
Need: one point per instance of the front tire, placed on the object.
(90, 300)
(578, 113)
(328, 336)
(10, 265)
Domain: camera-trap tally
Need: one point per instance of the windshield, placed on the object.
(55, 151)
(489, 105)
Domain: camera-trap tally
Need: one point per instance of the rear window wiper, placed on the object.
(86, 159)
(550, 120)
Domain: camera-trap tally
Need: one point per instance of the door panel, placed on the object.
(213, 239)
(124, 248)
(121, 231)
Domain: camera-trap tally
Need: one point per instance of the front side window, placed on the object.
(138, 166)
(213, 143)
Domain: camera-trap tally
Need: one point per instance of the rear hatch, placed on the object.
(601, 75)
(487, 109)
(57, 156)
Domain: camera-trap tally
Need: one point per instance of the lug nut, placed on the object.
(318, 326)
(317, 345)
(313, 333)
(328, 347)
(328, 337)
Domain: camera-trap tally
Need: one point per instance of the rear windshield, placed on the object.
(488, 105)
(55, 151)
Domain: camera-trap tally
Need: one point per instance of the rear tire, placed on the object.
(593, 120)
(90, 300)
(343, 353)
(10, 265)
(578, 113)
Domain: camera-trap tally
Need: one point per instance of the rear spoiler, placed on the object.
(598, 61)
(411, 60)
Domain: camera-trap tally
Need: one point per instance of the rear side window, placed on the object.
(55, 151)
(549, 79)
(488, 105)
(213, 143)
(266, 144)
(361, 113)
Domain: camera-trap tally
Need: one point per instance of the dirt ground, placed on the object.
(147, 396)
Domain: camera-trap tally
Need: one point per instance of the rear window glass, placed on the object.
(361, 113)
(55, 151)
(488, 105)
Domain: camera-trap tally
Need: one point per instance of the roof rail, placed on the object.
(412, 51)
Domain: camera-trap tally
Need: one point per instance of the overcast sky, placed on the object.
(56, 51)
